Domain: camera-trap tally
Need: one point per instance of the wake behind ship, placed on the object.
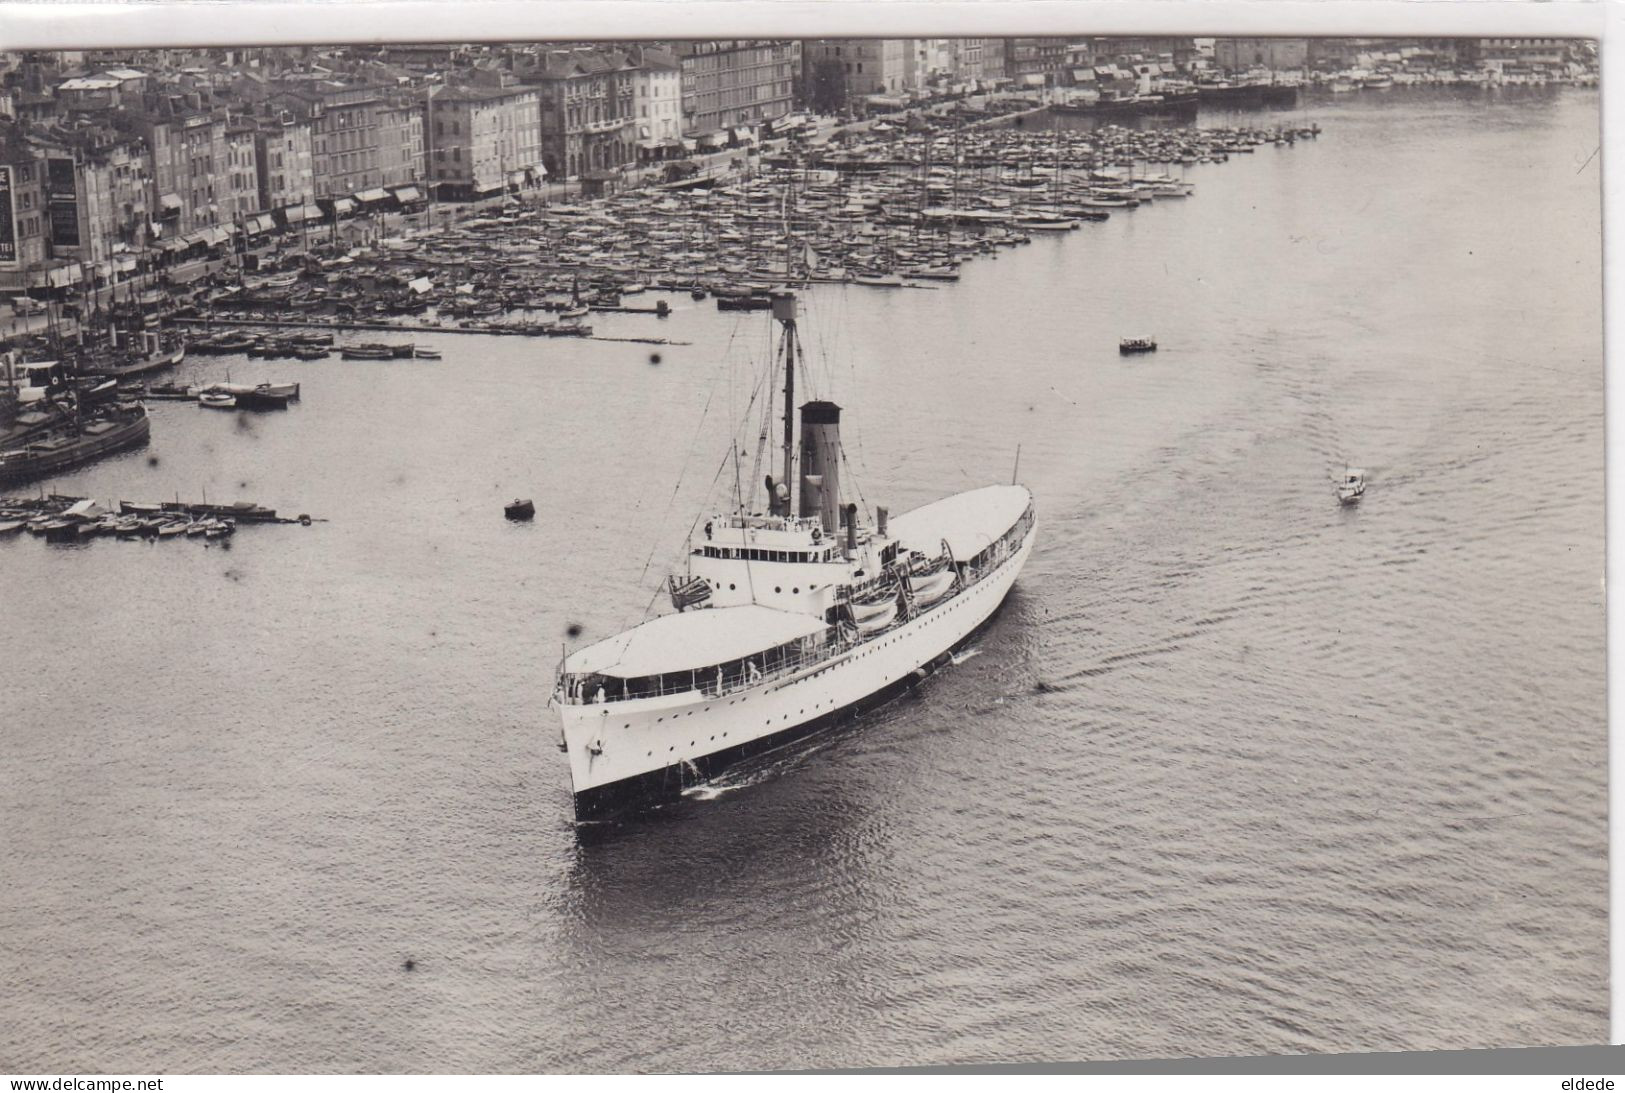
(784, 621)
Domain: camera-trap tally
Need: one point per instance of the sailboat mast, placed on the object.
(784, 308)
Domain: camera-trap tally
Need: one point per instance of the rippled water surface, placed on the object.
(1235, 771)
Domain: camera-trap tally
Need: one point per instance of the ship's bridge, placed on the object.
(736, 533)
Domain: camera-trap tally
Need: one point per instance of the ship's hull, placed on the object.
(629, 754)
(27, 465)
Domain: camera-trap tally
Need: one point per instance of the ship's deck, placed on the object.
(692, 639)
(969, 521)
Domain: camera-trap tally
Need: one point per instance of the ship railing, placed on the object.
(702, 681)
(772, 523)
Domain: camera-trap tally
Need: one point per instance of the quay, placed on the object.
(407, 328)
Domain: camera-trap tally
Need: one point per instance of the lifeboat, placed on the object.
(928, 588)
(878, 615)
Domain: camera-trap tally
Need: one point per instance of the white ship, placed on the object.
(784, 622)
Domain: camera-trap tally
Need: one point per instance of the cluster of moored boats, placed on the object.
(226, 396)
(59, 518)
(891, 207)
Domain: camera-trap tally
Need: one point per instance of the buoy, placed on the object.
(410, 964)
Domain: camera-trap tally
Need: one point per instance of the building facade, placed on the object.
(657, 102)
(1278, 54)
(966, 58)
(586, 103)
(189, 156)
(23, 231)
(482, 140)
(95, 187)
(735, 82)
(400, 142)
(283, 155)
(1035, 62)
(242, 174)
(840, 73)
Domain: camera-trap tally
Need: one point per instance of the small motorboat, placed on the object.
(519, 509)
(7, 527)
(1137, 345)
(424, 353)
(1352, 487)
(218, 400)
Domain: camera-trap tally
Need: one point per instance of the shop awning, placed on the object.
(405, 194)
(259, 223)
(170, 246)
(343, 206)
(298, 214)
(744, 136)
(170, 202)
(215, 236)
(124, 263)
(63, 276)
(192, 239)
(372, 197)
(648, 145)
(688, 144)
(713, 140)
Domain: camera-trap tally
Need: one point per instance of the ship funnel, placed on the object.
(851, 532)
(880, 520)
(821, 464)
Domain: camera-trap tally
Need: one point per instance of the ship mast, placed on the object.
(784, 310)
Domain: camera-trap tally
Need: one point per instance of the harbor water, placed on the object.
(1235, 771)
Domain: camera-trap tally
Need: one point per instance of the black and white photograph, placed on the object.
(702, 554)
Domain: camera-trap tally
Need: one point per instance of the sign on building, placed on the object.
(62, 202)
(8, 220)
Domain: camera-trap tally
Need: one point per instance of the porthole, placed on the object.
(796, 591)
(730, 588)
(777, 590)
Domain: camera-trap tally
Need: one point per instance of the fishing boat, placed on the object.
(277, 390)
(263, 397)
(785, 620)
(1352, 487)
(122, 426)
(519, 509)
(155, 361)
(1137, 345)
(372, 352)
